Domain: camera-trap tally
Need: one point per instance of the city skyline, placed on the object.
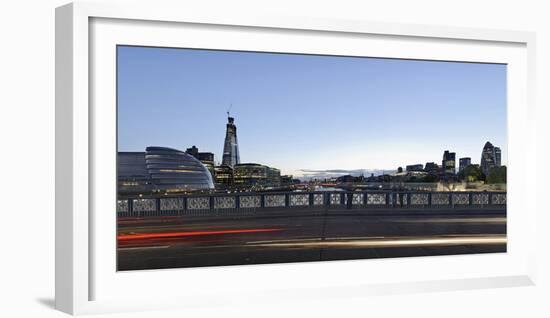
(295, 128)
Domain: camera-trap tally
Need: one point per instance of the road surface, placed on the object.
(298, 236)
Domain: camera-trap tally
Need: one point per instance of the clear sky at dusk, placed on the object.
(310, 112)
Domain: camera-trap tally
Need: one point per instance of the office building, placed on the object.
(207, 158)
(463, 163)
(416, 167)
(432, 168)
(254, 176)
(498, 156)
(448, 164)
(223, 176)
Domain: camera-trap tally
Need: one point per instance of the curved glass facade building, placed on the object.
(132, 173)
(163, 170)
(490, 157)
(172, 170)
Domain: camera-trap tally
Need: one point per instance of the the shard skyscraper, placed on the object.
(230, 146)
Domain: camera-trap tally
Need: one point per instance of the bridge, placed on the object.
(257, 203)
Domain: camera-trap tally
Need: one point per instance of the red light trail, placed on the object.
(128, 237)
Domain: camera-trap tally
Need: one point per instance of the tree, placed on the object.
(497, 175)
(430, 178)
(472, 173)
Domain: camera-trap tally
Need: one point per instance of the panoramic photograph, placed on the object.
(240, 158)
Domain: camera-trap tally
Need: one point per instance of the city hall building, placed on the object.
(161, 170)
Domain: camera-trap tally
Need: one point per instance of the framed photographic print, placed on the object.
(238, 155)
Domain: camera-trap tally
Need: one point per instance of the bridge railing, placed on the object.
(250, 203)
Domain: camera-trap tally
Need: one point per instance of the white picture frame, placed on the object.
(83, 64)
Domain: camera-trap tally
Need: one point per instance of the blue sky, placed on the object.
(298, 112)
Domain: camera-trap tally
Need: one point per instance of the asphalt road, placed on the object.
(291, 236)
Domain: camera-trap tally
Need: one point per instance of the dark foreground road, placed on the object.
(292, 236)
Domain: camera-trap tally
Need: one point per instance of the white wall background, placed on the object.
(27, 158)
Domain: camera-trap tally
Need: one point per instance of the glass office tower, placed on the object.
(230, 146)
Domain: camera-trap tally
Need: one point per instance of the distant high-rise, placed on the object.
(207, 158)
(464, 162)
(416, 167)
(498, 156)
(490, 157)
(230, 147)
(432, 168)
(449, 162)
